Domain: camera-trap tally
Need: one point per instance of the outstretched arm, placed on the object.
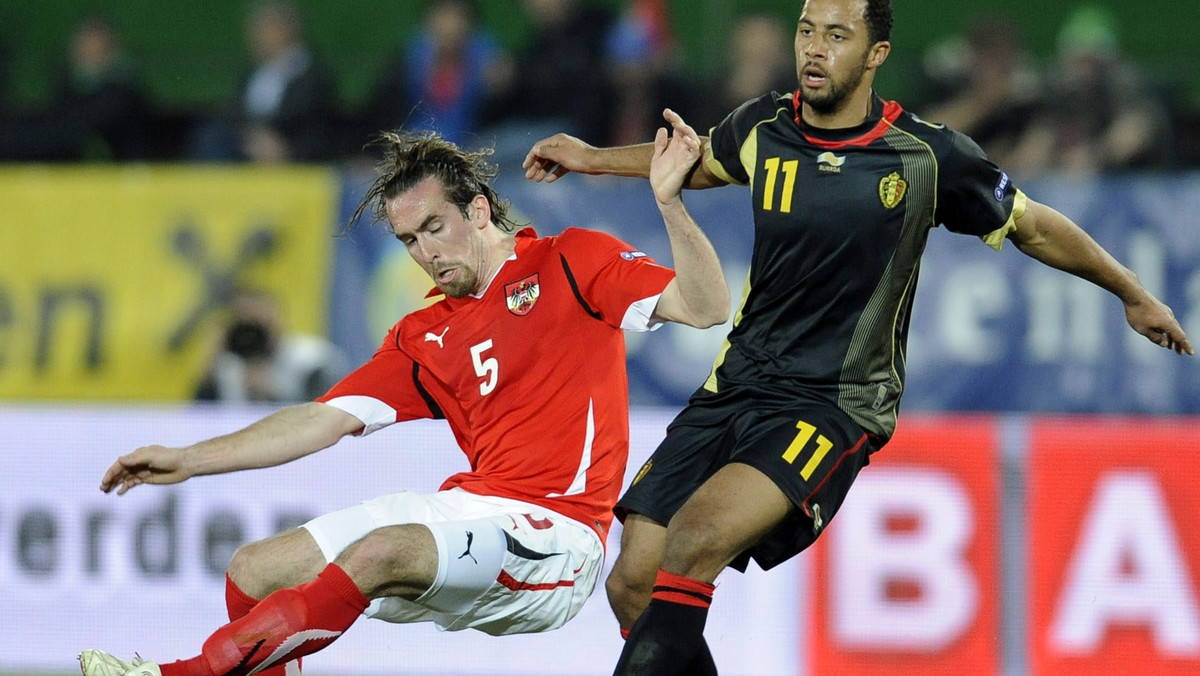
(1052, 238)
(288, 434)
(698, 296)
(553, 157)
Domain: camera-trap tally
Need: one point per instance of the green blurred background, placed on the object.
(192, 53)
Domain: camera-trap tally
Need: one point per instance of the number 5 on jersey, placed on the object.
(487, 369)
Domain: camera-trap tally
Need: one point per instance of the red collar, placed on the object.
(891, 111)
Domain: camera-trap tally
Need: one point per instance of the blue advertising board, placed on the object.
(990, 331)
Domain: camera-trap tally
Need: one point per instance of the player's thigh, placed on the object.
(283, 560)
(812, 453)
(732, 511)
(551, 569)
(503, 566)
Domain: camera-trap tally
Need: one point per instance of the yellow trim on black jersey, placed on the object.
(995, 238)
(711, 383)
(716, 168)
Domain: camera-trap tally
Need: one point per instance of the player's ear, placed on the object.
(878, 54)
(481, 211)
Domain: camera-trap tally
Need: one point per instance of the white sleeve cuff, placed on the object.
(373, 413)
(640, 315)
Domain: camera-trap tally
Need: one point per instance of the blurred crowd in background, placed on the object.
(599, 71)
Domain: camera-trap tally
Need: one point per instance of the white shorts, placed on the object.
(548, 564)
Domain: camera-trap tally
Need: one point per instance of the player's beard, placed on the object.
(834, 97)
(462, 285)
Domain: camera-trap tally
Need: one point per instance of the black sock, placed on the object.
(668, 639)
(702, 664)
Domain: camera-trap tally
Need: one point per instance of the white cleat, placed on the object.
(100, 663)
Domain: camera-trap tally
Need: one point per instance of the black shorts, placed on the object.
(811, 450)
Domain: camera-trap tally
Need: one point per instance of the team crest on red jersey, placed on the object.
(521, 295)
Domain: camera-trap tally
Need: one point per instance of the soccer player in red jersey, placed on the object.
(524, 357)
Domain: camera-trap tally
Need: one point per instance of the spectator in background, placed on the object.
(642, 65)
(258, 360)
(983, 85)
(558, 82)
(759, 60)
(1101, 113)
(284, 108)
(97, 109)
(443, 77)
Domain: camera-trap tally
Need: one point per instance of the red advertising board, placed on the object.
(1114, 546)
(906, 578)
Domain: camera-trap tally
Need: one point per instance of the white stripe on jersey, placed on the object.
(640, 315)
(579, 485)
(371, 412)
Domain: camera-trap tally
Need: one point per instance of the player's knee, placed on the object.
(695, 550)
(628, 593)
(249, 572)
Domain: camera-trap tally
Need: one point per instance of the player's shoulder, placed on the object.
(942, 138)
(769, 106)
(585, 240)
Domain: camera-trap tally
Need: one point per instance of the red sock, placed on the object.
(683, 590)
(239, 603)
(282, 627)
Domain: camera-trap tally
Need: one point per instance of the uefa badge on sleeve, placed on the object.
(521, 295)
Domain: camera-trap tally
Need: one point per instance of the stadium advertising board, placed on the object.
(909, 579)
(144, 572)
(1114, 547)
(112, 281)
(906, 578)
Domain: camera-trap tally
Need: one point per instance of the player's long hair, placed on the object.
(410, 158)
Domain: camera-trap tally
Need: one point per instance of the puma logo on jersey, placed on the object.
(827, 161)
(435, 337)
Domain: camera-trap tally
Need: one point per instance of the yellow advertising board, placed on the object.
(115, 281)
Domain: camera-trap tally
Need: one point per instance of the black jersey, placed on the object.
(841, 218)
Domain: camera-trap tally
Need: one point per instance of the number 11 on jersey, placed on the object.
(802, 438)
(772, 165)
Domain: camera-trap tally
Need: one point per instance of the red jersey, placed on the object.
(530, 374)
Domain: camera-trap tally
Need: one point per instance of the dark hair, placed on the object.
(878, 17)
(410, 158)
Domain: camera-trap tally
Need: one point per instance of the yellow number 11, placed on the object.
(772, 165)
(798, 444)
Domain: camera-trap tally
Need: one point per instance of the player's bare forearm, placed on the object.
(552, 158)
(699, 295)
(283, 436)
(286, 435)
(1050, 237)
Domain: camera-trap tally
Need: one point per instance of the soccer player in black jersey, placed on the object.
(845, 188)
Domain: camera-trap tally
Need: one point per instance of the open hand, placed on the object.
(1155, 320)
(146, 465)
(674, 158)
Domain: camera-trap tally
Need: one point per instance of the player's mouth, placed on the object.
(814, 77)
(446, 276)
